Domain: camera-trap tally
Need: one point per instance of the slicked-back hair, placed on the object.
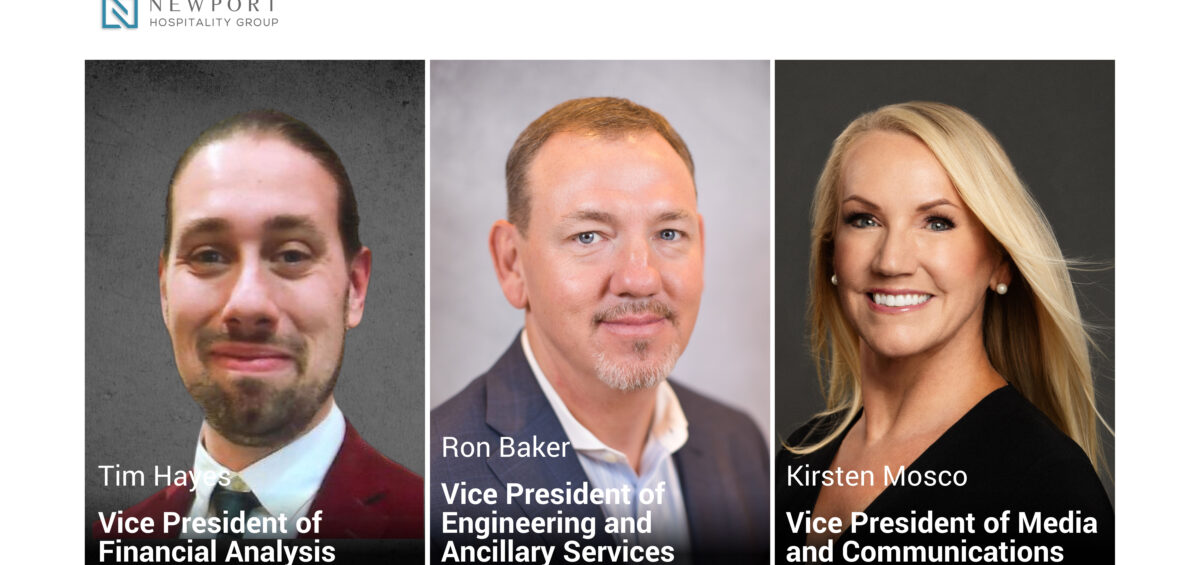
(602, 116)
(276, 124)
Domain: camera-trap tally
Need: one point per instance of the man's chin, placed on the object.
(252, 412)
(636, 348)
(252, 427)
(640, 369)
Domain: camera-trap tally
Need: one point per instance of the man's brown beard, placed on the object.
(257, 413)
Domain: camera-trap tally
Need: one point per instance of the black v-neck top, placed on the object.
(1014, 459)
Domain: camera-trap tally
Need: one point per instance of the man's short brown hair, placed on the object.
(602, 116)
(273, 123)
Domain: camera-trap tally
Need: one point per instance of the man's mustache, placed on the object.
(650, 305)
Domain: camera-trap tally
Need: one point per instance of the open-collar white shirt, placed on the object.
(285, 482)
(608, 468)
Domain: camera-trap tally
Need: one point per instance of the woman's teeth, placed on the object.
(897, 300)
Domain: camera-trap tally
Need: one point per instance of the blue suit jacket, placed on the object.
(723, 467)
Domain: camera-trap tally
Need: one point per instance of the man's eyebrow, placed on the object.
(202, 226)
(287, 222)
(591, 215)
(607, 218)
(675, 216)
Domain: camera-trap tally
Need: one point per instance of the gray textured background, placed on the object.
(140, 116)
(1055, 121)
(722, 110)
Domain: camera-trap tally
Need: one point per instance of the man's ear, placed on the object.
(360, 277)
(506, 259)
(162, 287)
(700, 221)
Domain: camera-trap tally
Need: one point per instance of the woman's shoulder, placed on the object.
(1012, 425)
(1009, 441)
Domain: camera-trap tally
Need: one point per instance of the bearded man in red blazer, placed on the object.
(261, 275)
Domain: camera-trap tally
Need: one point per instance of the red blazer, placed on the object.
(364, 495)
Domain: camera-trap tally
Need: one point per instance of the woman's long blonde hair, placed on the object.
(1034, 335)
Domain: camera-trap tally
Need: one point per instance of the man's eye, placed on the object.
(669, 235)
(586, 238)
(208, 256)
(206, 261)
(293, 256)
(861, 221)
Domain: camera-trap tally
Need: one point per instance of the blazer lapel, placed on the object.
(517, 408)
(715, 508)
(349, 494)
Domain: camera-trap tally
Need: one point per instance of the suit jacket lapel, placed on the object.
(348, 494)
(517, 408)
(716, 507)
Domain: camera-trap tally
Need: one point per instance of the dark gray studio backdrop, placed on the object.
(1055, 121)
(140, 116)
(720, 108)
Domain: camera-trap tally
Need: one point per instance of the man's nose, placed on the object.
(636, 273)
(250, 308)
(896, 254)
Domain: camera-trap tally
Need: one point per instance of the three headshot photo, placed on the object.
(600, 311)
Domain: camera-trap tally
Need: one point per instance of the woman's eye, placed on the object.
(586, 238)
(940, 224)
(862, 221)
(669, 235)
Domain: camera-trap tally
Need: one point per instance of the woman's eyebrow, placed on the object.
(862, 200)
(922, 208)
(935, 204)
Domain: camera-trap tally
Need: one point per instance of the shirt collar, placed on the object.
(668, 428)
(285, 481)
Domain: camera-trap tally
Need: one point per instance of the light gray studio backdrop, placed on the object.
(722, 110)
(1055, 120)
(140, 116)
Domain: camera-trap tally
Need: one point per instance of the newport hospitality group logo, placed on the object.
(116, 14)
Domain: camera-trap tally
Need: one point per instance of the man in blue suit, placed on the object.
(576, 428)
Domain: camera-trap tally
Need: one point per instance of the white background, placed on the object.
(41, 110)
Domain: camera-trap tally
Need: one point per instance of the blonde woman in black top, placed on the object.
(951, 346)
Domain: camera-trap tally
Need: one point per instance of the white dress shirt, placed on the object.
(608, 468)
(285, 482)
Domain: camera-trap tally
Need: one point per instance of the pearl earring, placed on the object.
(833, 280)
(1001, 288)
